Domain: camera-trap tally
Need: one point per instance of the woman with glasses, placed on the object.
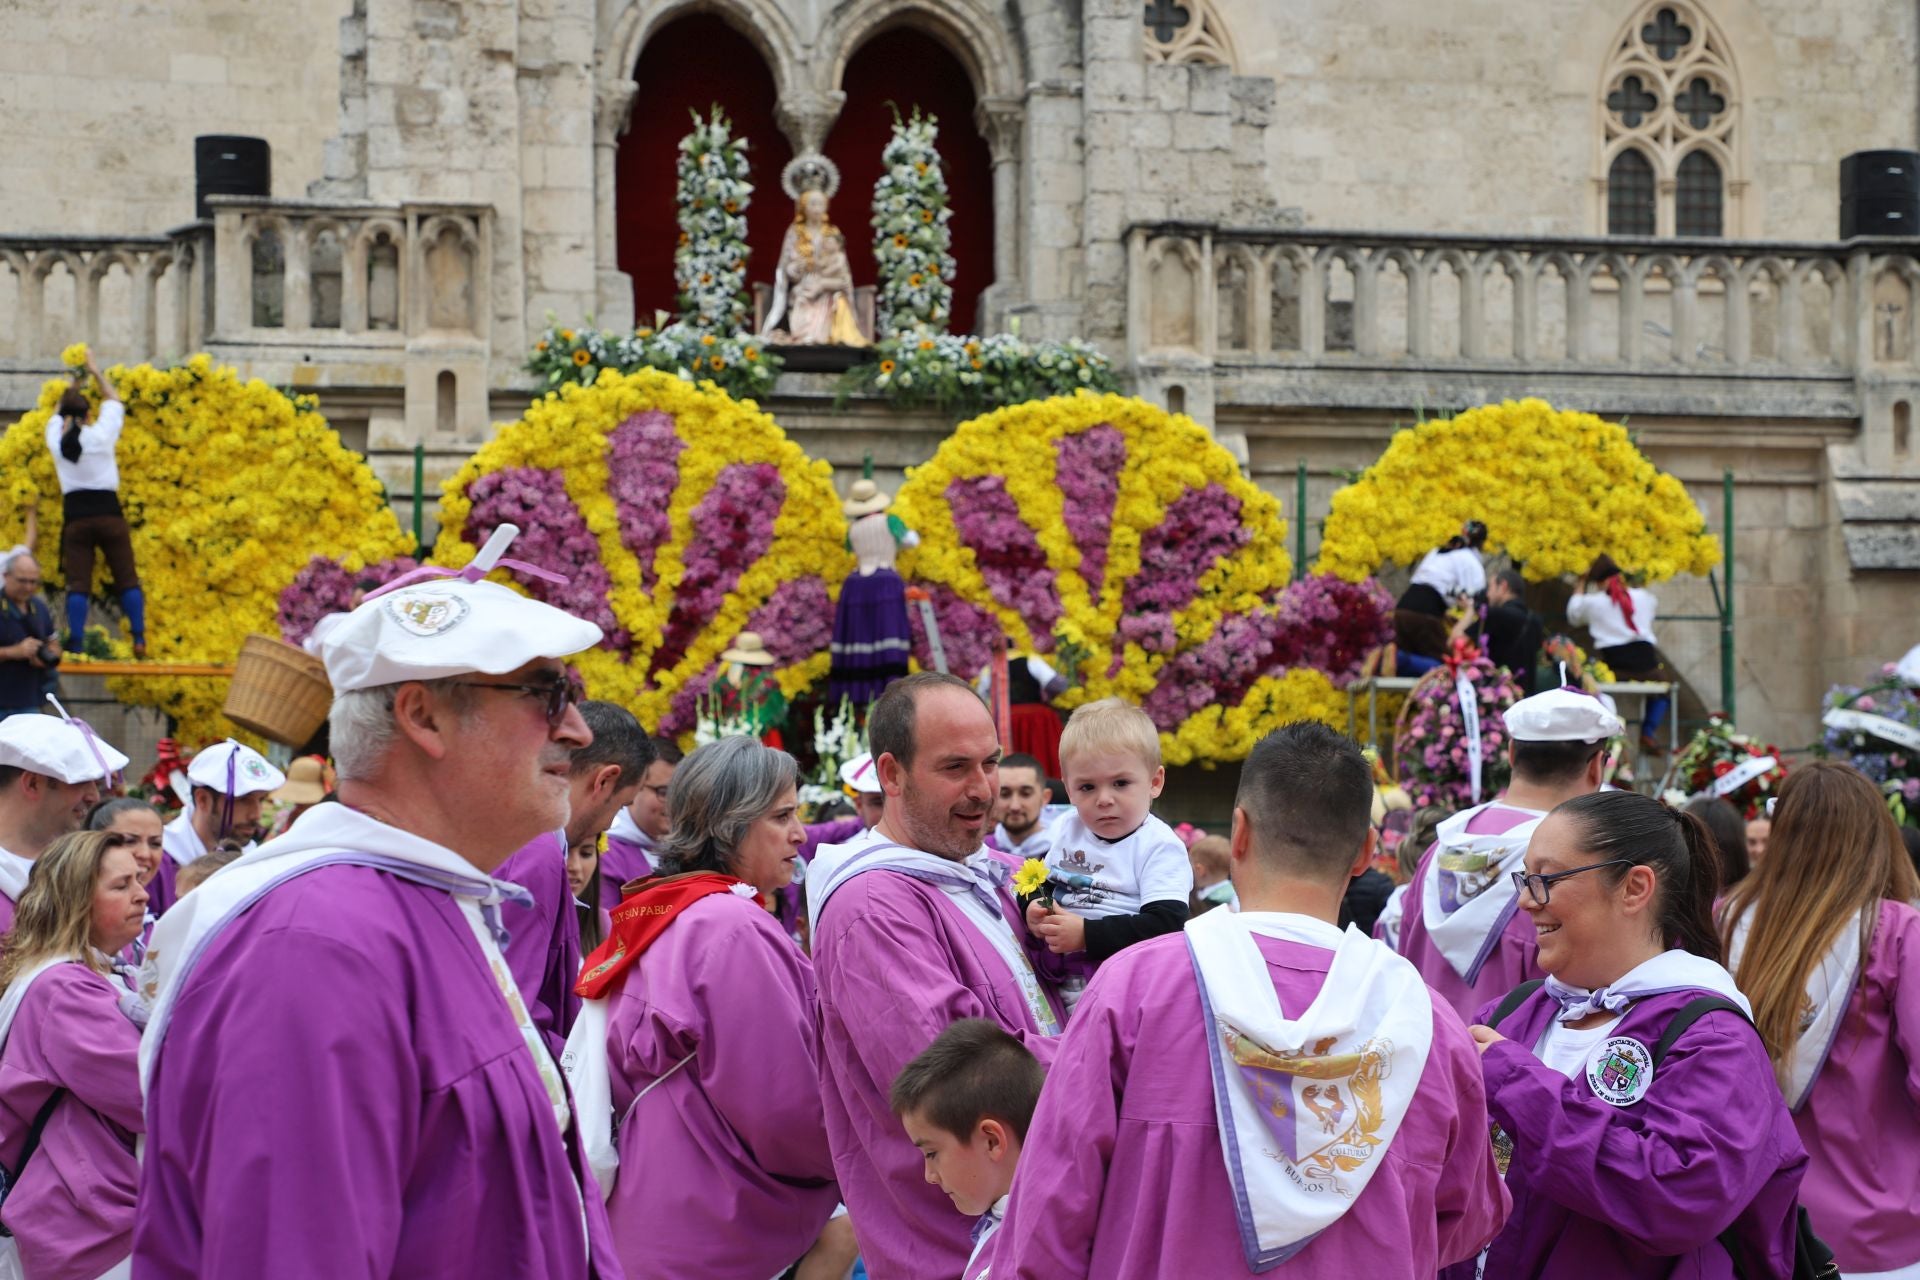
(1629, 1161)
(1824, 944)
(69, 1084)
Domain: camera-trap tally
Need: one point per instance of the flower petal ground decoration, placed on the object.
(681, 518)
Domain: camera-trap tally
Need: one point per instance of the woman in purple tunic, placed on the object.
(1823, 925)
(1623, 1165)
(68, 1063)
(711, 1037)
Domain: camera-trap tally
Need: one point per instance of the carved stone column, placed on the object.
(613, 291)
(1002, 122)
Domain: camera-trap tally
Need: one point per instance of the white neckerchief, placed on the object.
(973, 886)
(1829, 989)
(625, 828)
(983, 1231)
(1036, 844)
(1468, 894)
(1672, 970)
(1306, 1103)
(14, 871)
(16, 992)
(181, 840)
(1390, 916)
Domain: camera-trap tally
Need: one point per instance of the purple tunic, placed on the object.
(342, 1094)
(1122, 1175)
(72, 1212)
(543, 942)
(1644, 1190)
(622, 861)
(897, 962)
(724, 1168)
(1861, 1123)
(162, 891)
(1513, 958)
(6, 913)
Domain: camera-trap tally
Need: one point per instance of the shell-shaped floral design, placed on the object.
(680, 516)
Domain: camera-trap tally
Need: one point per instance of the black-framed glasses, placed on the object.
(561, 692)
(1540, 888)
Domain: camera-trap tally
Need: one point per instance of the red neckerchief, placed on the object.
(1617, 592)
(639, 921)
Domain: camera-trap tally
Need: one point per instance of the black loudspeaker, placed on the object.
(224, 165)
(1880, 194)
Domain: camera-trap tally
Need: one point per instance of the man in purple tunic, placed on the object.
(1263, 1088)
(51, 769)
(912, 931)
(1462, 926)
(341, 1077)
(543, 940)
(639, 827)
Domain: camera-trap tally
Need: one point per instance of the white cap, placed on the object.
(451, 625)
(1562, 715)
(58, 748)
(859, 774)
(234, 769)
(1908, 668)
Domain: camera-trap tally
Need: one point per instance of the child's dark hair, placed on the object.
(972, 1071)
(1676, 845)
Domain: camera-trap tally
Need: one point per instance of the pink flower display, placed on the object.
(553, 535)
(968, 633)
(1200, 527)
(732, 528)
(796, 621)
(1331, 625)
(1431, 750)
(1008, 554)
(642, 469)
(325, 587)
(1088, 472)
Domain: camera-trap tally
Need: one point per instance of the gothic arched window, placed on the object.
(1187, 31)
(1670, 137)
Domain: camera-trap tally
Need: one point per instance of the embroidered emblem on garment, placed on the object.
(1466, 871)
(254, 768)
(1620, 1071)
(1323, 1107)
(425, 613)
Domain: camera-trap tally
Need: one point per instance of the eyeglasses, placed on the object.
(1539, 887)
(560, 693)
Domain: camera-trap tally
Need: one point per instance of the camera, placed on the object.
(49, 654)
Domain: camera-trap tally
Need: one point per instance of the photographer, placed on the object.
(29, 649)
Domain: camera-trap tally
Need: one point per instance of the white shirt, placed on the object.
(98, 468)
(1148, 866)
(180, 841)
(1567, 1050)
(1452, 573)
(1597, 612)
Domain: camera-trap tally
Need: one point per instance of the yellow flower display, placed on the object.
(649, 460)
(230, 487)
(1229, 733)
(1555, 488)
(75, 356)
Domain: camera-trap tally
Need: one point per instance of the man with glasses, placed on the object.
(29, 648)
(342, 1078)
(1463, 928)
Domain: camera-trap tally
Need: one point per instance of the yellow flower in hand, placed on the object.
(75, 356)
(1030, 878)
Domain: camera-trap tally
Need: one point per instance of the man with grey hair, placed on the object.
(914, 929)
(29, 646)
(341, 1078)
(543, 939)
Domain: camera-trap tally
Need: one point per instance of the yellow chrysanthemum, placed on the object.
(75, 356)
(1030, 878)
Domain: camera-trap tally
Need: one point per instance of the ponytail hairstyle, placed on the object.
(1472, 534)
(1833, 854)
(74, 407)
(1676, 846)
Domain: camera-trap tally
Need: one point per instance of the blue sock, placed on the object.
(1656, 715)
(133, 603)
(76, 620)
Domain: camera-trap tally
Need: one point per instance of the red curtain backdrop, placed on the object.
(688, 66)
(909, 69)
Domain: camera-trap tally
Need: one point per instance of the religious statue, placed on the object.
(813, 283)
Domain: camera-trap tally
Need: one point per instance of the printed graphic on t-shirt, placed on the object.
(1078, 871)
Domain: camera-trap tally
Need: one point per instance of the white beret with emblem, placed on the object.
(1562, 715)
(56, 747)
(433, 623)
(234, 769)
(859, 774)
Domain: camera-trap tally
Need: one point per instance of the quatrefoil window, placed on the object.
(1631, 102)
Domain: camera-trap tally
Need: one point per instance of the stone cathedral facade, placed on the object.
(1302, 223)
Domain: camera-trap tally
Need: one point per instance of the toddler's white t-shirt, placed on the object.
(1117, 878)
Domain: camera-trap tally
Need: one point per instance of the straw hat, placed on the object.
(749, 650)
(306, 782)
(865, 498)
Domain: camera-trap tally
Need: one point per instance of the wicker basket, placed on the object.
(278, 691)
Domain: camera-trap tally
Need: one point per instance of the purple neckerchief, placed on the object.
(472, 573)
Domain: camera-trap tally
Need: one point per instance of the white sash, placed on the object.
(1468, 894)
(1306, 1104)
(1829, 990)
(14, 871)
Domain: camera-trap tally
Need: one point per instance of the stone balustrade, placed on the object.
(131, 292)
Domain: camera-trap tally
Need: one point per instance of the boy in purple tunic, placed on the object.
(543, 941)
(1264, 1089)
(51, 771)
(1462, 926)
(913, 931)
(1626, 1163)
(639, 827)
(342, 1079)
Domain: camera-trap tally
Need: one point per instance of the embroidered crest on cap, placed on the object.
(427, 613)
(1620, 1071)
(254, 768)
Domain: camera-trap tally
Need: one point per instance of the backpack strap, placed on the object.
(1690, 1013)
(10, 1180)
(1514, 999)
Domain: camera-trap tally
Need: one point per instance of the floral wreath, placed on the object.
(681, 517)
(1722, 761)
(1876, 729)
(1434, 735)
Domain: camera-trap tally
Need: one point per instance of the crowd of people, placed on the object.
(533, 995)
